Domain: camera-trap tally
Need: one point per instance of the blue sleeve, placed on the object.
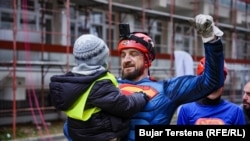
(182, 118)
(190, 88)
(240, 118)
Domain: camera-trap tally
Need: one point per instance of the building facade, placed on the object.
(36, 39)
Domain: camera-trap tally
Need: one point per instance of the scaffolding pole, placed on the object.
(67, 5)
(14, 70)
(172, 11)
(196, 12)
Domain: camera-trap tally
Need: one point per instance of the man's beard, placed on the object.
(246, 105)
(133, 75)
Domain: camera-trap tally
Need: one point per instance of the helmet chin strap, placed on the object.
(147, 63)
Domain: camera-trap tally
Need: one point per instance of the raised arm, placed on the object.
(191, 88)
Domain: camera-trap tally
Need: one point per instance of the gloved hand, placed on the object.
(205, 27)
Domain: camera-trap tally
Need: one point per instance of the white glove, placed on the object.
(204, 25)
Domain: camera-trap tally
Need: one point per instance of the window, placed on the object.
(247, 49)
(28, 5)
(155, 33)
(159, 27)
(112, 19)
(72, 12)
(6, 4)
(157, 42)
(46, 6)
(82, 30)
(97, 30)
(72, 32)
(241, 5)
(183, 40)
(97, 18)
(243, 47)
(110, 42)
(28, 22)
(6, 20)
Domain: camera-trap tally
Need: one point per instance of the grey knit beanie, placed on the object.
(91, 50)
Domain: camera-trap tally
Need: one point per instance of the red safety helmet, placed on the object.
(201, 67)
(140, 41)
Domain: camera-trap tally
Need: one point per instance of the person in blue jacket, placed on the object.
(210, 110)
(89, 95)
(137, 54)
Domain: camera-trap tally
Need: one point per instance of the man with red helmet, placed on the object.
(210, 110)
(165, 96)
(138, 45)
(137, 54)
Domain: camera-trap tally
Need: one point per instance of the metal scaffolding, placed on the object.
(43, 66)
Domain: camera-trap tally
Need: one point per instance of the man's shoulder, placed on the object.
(188, 106)
(233, 105)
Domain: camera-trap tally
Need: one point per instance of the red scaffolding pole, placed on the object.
(14, 70)
(172, 11)
(67, 5)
